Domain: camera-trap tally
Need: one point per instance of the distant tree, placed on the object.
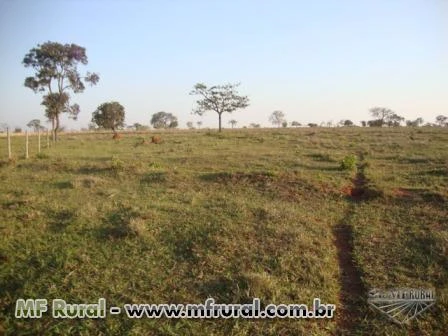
(219, 98)
(442, 120)
(312, 125)
(163, 120)
(233, 122)
(296, 124)
(56, 74)
(254, 125)
(381, 113)
(109, 115)
(277, 118)
(348, 123)
(394, 120)
(35, 125)
(199, 123)
(414, 123)
(375, 123)
(17, 130)
(284, 124)
(190, 124)
(91, 126)
(329, 123)
(363, 123)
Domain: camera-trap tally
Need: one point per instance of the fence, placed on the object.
(27, 142)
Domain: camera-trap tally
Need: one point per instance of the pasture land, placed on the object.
(265, 213)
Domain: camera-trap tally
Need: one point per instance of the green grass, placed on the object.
(236, 215)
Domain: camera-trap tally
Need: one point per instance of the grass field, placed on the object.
(246, 213)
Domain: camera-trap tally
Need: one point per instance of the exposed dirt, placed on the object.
(352, 290)
(352, 295)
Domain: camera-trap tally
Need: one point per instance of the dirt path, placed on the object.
(353, 294)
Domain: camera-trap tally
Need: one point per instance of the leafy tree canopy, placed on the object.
(109, 115)
(219, 98)
(164, 120)
(56, 73)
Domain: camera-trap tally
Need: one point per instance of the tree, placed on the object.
(296, 124)
(163, 120)
(253, 125)
(414, 123)
(348, 122)
(199, 123)
(381, 113)
(284, 124)
(277, 118)
(312, 125)
(56, 74)
(109, 115)
(233, 122)
(442, 120)
(363, 123)
(190, 125)
(394, 120)
(375, 123)
(219, 98)
(35, 124)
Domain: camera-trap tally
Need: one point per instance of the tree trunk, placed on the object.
(219, 114)
(56, 128)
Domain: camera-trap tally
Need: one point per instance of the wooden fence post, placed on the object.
(26, 145)
(38, 140)
(9, 143)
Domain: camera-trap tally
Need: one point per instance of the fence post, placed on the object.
(26, 145)
(9, 143)
(48, 139)
(38, 140)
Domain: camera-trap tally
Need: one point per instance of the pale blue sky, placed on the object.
(315, 60)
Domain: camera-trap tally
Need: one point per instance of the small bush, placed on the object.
(116, 164)
(349, 162)
(42, 156)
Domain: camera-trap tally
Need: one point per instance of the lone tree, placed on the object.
(35, 124)
(442, 120)
(56, 74)
(199, 123)
(382, 114)
(109, 115)
(296, 124)
(219, 98)
(277, 118)
(233, 122)
(164, 120)
(190, 124)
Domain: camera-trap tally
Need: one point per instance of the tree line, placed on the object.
(56, 77)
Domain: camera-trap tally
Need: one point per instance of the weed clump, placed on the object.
(42, 156)
(348, 162)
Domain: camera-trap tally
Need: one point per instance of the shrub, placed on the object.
(349, 162)
(42, 155)
(117, 164)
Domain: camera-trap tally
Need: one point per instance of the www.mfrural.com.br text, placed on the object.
(60, 309)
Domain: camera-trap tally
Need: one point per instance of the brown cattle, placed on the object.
(116, 136)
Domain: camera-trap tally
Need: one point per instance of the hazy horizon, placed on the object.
(315, 61)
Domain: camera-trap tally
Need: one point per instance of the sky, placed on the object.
(322, 60)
